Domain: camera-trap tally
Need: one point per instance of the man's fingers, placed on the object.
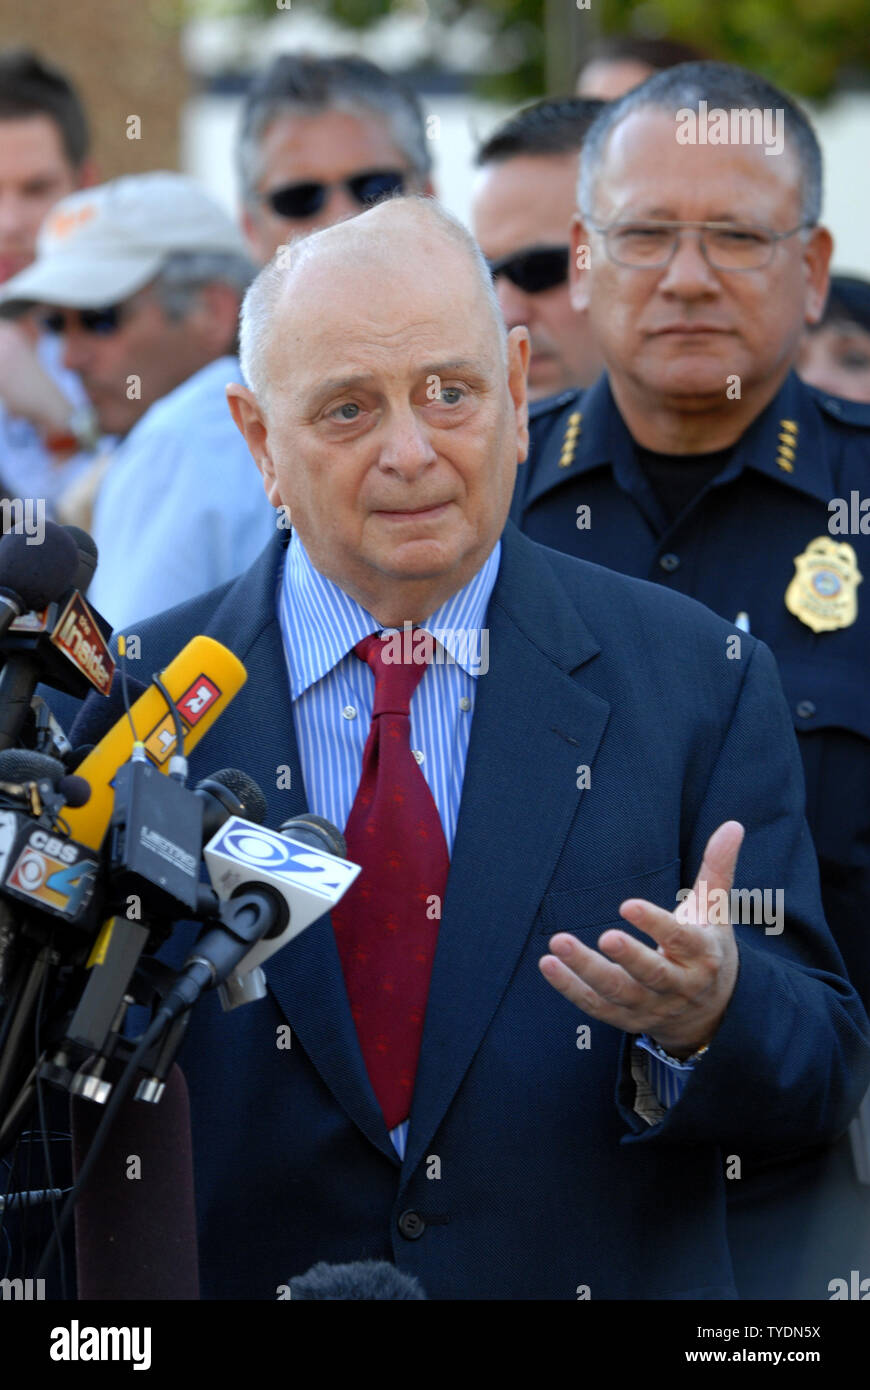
(681, 940)
(603, 977)
(720, 858)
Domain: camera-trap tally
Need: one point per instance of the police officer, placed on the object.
(700, 461)
(521, 214)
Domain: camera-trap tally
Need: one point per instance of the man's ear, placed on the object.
(216, 316)
(578, 265)
(817, 260)
(88, 174)
(251, 423)
(258, 249)
(519, 352)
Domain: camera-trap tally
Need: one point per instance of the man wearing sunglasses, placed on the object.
(700, 461)
(142, 279)
(321, 139)
(522, 210)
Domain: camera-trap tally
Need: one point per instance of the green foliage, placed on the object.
(803, 45)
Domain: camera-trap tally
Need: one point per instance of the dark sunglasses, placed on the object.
(306, 199)
(539, 268)
(101, 322)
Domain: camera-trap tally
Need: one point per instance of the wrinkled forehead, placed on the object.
(386, 301)
(655, 160)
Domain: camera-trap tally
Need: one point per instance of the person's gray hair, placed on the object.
(305, 85)
(261, 300)
(720, 85)
(184, 273)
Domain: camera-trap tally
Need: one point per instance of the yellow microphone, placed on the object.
(202, 680)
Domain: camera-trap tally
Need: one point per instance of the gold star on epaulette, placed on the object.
(569, 443)
(787, 447)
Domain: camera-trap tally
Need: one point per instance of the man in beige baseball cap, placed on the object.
(143, 277)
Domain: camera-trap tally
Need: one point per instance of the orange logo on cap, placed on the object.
(63, 224)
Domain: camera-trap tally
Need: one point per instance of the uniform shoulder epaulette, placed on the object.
(551, 404)
(847, 412)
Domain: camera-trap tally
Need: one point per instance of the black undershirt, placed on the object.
(677, 478)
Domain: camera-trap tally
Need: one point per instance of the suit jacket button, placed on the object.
(411, 1225)
(806, 709)
(670, 562)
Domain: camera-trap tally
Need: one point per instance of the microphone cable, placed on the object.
(119, 1093)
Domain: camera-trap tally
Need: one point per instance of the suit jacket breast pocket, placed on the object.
(587, 912)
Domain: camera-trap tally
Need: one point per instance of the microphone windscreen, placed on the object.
(316, 831)
(74, 790)
(136, 1228)
(245, 789)
(366, 1279)
(23, 765)
(38, 574)
(88, 556)
(100, 712)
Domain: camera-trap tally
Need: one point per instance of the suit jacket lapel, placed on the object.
(533, 727)
(305, 978)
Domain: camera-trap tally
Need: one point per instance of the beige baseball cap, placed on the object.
(100, 245)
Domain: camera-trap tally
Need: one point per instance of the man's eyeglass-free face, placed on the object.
(724, 245)
(301, 200)
(534, 269)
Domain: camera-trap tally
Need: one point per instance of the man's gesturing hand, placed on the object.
(676, 993)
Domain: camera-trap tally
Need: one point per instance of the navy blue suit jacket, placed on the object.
(531, 1173)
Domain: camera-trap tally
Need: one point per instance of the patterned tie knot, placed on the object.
(398, 665)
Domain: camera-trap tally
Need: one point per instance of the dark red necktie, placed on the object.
(386, 925)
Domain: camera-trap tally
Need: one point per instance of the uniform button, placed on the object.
(411, 1225)
(417, 755)
(465, 703)
(805, 708)
(670, 562)
(348, 712)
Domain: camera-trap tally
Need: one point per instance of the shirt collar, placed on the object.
(785, 441)
(320, 623)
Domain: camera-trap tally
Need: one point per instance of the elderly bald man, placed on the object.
(513, 1059)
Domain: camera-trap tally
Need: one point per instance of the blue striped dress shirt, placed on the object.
(333, 694)
(333, 691)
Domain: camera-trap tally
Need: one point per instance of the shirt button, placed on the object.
(670, 562)
(805, 708)
(348, 712)
(417, 756)
(411, 1225)
(465, 703)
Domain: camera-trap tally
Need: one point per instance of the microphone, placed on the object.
(99, 712)
(229, 792)
(28, 581)
(32, 579)
(364, 1279)
(271, 887)
(202, 680)
(20, 767)
(136, 1238)
(64, 644)
(88, 556)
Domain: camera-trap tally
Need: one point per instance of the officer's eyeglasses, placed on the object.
(536, 269)
(100, 322)
(724, 245)
(300, 200)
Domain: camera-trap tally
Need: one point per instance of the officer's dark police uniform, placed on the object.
(764, 544)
